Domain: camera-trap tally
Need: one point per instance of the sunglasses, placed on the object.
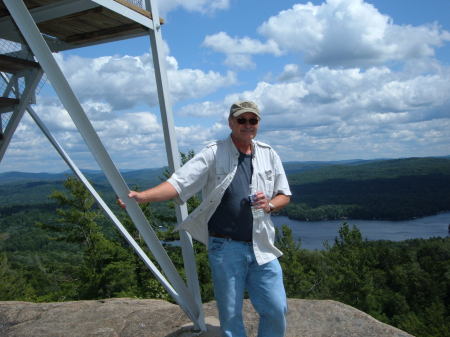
(251, 121)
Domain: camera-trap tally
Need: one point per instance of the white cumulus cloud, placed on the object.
(350, 33)
(238, 50)
(126, 81)
(327, 113)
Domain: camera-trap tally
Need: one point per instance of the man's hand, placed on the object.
(162, 192)
(261, 201)
(132, 195)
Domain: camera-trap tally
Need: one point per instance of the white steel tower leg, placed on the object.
(35, 41)
(172, 150)
(103, 205)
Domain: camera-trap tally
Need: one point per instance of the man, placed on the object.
(241, 250)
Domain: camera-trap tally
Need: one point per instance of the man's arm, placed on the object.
(278, 202)
(162, 192)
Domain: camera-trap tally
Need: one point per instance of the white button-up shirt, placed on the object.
(212, 171)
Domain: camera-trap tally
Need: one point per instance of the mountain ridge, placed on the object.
(291, 167)
(391, 189)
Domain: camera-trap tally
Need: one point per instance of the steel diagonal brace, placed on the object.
(11, 83)
(43, 54)
(103, 205)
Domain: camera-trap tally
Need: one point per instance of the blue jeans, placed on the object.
(234, 270)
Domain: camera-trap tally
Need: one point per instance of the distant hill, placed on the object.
(383, 189)
(14, 177)
(34, 188)
(292, 167)
(373, 169)
(146, 176)
(365, 189)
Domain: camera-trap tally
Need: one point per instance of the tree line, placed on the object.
(387, 190)
(398, 198)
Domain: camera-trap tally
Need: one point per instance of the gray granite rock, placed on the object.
(124, 317)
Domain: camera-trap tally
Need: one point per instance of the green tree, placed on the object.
(13, 285)
(146, 284)
(107, 268)
(349, 276)
(291, 263)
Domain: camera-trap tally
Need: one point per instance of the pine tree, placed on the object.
(107, 268)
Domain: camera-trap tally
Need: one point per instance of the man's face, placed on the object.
(246, 131)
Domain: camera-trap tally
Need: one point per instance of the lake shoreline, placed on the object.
(365, 219)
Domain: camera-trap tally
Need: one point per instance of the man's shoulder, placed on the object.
(267, 150)
(212, 144)
(263, 145)
(216, 143)
(211, 148)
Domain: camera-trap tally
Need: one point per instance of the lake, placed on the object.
(312, 234)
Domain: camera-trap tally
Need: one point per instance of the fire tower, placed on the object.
(30, 31)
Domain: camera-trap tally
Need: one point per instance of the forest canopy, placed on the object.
(57, 245)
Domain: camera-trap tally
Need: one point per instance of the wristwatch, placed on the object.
(271, 207)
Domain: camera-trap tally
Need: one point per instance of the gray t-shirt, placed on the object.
(233, 216)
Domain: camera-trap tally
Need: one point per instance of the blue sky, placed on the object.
(335, 80)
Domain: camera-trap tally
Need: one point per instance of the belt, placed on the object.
(224, 236)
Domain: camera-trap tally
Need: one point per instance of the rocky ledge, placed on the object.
(124, 317)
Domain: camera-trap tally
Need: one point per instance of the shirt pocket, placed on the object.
(221, 173)
(267, 179)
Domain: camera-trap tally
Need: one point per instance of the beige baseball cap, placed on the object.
(241, 107)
